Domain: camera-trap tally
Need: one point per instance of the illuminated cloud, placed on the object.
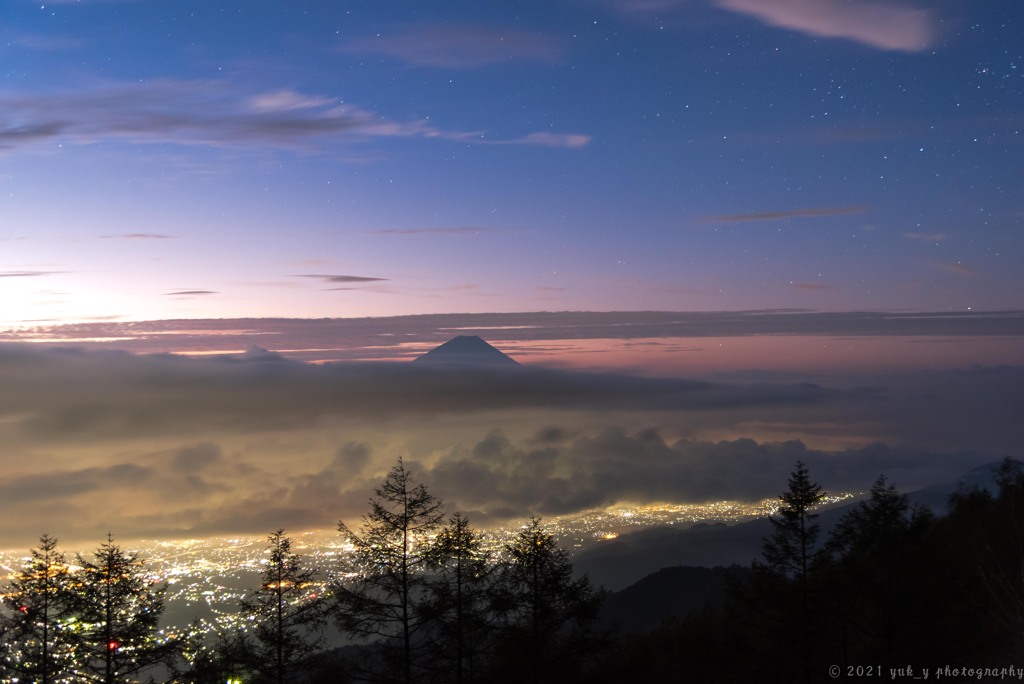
(165, 445)
(457, 46)
(885, 24)
(286, 101)
(882, 25)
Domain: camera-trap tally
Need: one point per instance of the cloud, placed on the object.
(809, 287)
(286, 101)
(138, 236)
(40, 41)
(20, 134)
(783, 215)
(119, 395)
(212, 113)
(166, 445)
(27, 274)
(562, 140)
(458, 46)
(60, 484)
(342, 278)
(882, 25)
(615, 466)
(196, 457)
(957, 268)
(189, 293)
(926, 237)
(459, 230)
(397, 337)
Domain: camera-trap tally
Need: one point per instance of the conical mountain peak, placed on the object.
(467, 350)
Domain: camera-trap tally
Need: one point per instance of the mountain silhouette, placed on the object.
(467, 350)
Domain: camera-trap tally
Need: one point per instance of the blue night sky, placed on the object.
(312, 159)
(719, 235)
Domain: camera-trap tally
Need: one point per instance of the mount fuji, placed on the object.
(467, 350)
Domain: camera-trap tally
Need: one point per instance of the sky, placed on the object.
(720, 235)
(308, 159)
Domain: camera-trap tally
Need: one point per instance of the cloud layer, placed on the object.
(166, 445)
(397, 337)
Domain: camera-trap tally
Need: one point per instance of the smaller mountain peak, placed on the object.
(467, 350)
(256, 353)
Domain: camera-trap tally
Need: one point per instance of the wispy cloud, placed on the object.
(457, 46)
(957, 268)
(39, 41)
(563, 140)
(27, 274)
(458, 230)
(329, 278)
(814, 212)
(881, 24)
(926, 237)
(138, 236)
(810, 287)
(189, 293)
(287, 101)
(889, 25)
(213, 113)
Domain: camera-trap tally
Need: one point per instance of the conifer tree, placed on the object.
(881, 580)
(457, 600)
(988, 529)
(548, 615)
(39, 634)
(287, 611)
(391, 550)
(793, 549)
(118, 610)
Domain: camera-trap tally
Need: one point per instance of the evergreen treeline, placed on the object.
(892, 592)
(890, 587)
(419, 595)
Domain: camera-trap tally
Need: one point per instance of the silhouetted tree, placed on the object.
(288, 613)
(38, 637)
(548, 615)
(880, 584)
(456, 602)
(118, 610)
(227, 657)
(789, 556)
(390, 553)
(989, 530)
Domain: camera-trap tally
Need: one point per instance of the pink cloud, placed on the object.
(887, 26)
(567, 140)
